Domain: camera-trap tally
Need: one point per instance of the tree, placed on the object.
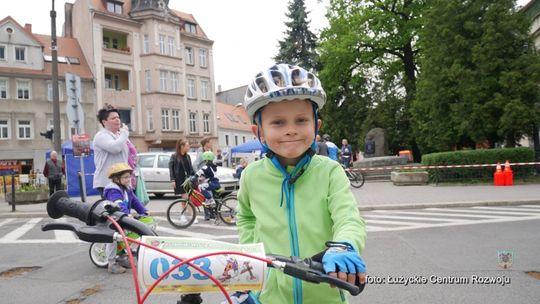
(479, 79)
(368, 55)
(298, 46)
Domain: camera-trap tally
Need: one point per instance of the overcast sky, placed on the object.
(245, 32)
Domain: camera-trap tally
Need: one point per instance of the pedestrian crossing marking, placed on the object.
(376, 221)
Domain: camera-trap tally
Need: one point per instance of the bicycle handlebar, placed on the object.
(95, 217)
(311, 271)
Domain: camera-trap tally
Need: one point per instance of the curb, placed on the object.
(32, 214)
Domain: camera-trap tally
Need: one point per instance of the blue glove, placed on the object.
(341, 257)
(240, 297)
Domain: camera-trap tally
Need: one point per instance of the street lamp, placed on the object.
(56, 103)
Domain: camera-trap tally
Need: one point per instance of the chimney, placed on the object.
(219, 88)
(28, 27)
(68, 30)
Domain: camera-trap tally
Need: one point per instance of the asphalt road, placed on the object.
(422, 247)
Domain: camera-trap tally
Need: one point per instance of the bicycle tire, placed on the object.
(98, 255)
(356, 178)
(227, 209)
(181, 216)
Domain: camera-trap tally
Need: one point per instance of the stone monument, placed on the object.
(376, 144)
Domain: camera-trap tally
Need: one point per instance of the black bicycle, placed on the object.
(182, 213)
(355, 177)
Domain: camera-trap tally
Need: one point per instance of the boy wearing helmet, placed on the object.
(293, 201)
(119, 191)
(210, 181)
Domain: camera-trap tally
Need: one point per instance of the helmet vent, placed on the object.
(277, 77)
(262, 84)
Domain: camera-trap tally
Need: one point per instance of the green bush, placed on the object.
(483, 156)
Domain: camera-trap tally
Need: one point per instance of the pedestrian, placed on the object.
(294, 202)
(110, 145)
(180, 167)
(332, 148)
(54, 171)
(219, 158)
(206, 145)
(240, 168)
(346, 153)
(120, 192)
(322, 148)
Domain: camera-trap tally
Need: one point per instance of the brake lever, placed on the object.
(311, 271)
(100, 233)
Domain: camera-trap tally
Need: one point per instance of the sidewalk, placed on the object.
(372, 196)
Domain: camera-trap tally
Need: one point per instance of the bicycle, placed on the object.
(103, 224)
(182, 212)
(355, 177)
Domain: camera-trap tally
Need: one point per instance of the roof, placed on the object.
(189, 18)
(101, 5)
(67, 47)
(24, 28)
(232, 117)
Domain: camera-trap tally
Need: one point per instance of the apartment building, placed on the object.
(153, 63)
(26, 94)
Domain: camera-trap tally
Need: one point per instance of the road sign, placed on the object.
(74, 108)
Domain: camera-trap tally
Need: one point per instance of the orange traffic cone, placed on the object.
(508, 174)
(498, 176)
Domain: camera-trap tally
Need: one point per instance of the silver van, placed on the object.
(155, 170)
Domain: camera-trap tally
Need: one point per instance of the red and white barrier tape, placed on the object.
(442, 167)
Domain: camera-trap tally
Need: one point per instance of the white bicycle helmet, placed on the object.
(282, 82)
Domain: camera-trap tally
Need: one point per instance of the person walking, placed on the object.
(322, 148)
(346, 153)
(332, 148)
(54, 171)
(180, 167)
(110, 145)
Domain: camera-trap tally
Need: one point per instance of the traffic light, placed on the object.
(48, 134)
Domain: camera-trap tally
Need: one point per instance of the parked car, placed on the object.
(155, 170)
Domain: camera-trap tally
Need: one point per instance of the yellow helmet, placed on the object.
(119, 168)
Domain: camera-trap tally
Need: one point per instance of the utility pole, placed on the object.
(56, 103)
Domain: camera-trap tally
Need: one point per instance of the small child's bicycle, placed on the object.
(355, 177)
(103, 224)
(182, 213)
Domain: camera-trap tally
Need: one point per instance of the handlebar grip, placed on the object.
(354, 290)
(60, 204)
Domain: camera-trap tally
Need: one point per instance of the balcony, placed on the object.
(116, 42)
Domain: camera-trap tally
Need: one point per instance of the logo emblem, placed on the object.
(505, 258)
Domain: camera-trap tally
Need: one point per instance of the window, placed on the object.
(172, 44)
(192, 122)
(50, 91)
(243, 139)
(206, 123)
(23, 89)
(3, 89)
(236, 140)
(191, 88)
(149, 120)
(148, 78)
(146, 161)
(163, 161)
(226, 140)
(190, 28)
(116, 79)
(125, 116)
(174, 82)
(202, 58)
(73, 60)
(165, 119)
(146, 44)
(189, 55)
(204, 89)
(20, 54)
(114, 7)
(163, 80)
(2, 52)
(4, 129)
(162, 49)
(25, 129)
(175, 120)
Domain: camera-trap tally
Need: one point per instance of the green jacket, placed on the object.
(322, 208)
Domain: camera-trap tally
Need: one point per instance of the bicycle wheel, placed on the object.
(227, 209)
(181, 214)
(356, 178)
(98, 255)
